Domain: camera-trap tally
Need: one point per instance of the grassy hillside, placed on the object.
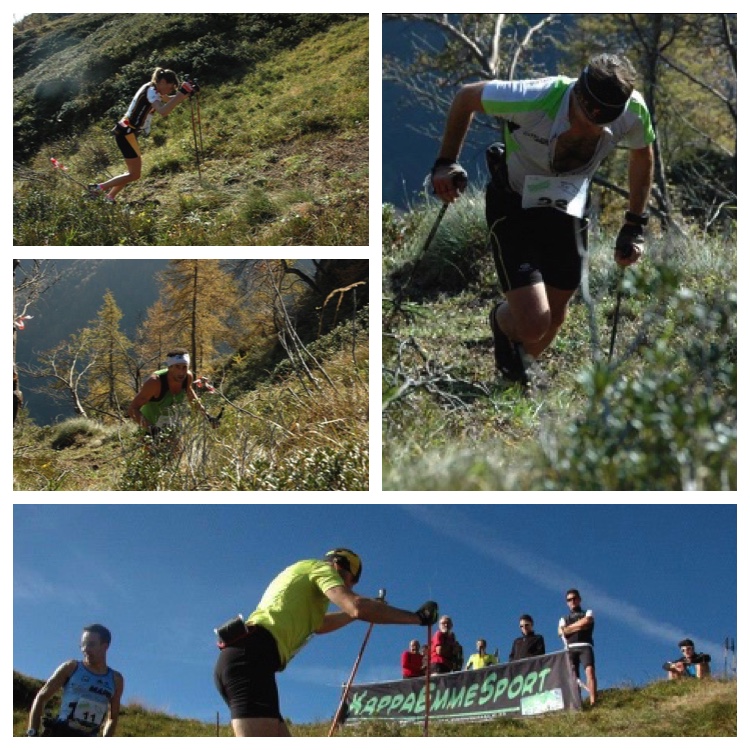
(284, 108)
(661, 416)
(296, 428)
(663, 709)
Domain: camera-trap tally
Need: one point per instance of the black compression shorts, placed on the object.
(581, 656)
(245, 675)
(534, 245)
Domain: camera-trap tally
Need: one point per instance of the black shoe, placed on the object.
(508, 354)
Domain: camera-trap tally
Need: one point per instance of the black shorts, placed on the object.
(245, 675)
(534, 245)
(126, 141)
(581, 656)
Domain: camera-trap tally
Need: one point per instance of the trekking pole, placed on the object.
(347, 687)
(616, 316)
(426, 731)
(63, 170)
(418, 261)
(195, 139)
(200, 126)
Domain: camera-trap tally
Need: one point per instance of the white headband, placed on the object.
(178, 359)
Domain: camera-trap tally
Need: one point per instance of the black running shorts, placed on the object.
(245, 675)
(128, 145)
(582, 656)
(534, 245)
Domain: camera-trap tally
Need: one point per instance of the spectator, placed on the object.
(577, 631)
(529, 643)
(443, 647)
(689, 664)
(481, 659)
(412, 661)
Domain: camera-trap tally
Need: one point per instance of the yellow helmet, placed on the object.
(347, 559)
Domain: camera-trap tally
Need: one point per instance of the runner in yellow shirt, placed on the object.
(292, 609)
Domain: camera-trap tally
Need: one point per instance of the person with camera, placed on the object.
(557, 131)
(91, 692)
(690, 664)
(293, 608)
(162, 94)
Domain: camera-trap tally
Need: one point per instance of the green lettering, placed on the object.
(543, 676)
(471, 694)
(500, 689)
(419, 706)
(528, 685)
(457, 697)
(355, 706)
(515, 686)
(440, 700)
(370, 706)
(409, 703)
(395, 703)
(487, 688)
(535, 188)
(383, 703)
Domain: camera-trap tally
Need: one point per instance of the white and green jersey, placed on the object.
(537, 111)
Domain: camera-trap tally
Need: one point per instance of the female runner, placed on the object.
(157, 96)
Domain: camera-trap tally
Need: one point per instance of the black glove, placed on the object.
(153, 432)
(453, 170)
(629, 238)
(428, 613)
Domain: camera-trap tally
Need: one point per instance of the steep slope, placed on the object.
(274, 150)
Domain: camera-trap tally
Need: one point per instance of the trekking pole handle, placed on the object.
(381, 595)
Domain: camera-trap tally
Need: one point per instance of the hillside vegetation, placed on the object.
(662, 415)
(664, 709)
(290, 368)
(282, 117)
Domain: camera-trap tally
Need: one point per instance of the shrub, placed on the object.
(75, 431)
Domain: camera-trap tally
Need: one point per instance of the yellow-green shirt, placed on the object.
(476, 661)
(294, 605)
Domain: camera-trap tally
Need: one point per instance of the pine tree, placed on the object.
(108, 390)
(201, 307)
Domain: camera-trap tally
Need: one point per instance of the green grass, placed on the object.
(686, 708)
(661, 416)
(285, 146)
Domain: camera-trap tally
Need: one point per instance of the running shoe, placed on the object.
(508, 354)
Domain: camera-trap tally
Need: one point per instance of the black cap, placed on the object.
(601, 98)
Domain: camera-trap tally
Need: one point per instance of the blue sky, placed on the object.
(162, 576)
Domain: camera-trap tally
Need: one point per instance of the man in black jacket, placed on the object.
(529, 644)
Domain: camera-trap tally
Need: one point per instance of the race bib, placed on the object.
(566, 194)
(88, 714)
